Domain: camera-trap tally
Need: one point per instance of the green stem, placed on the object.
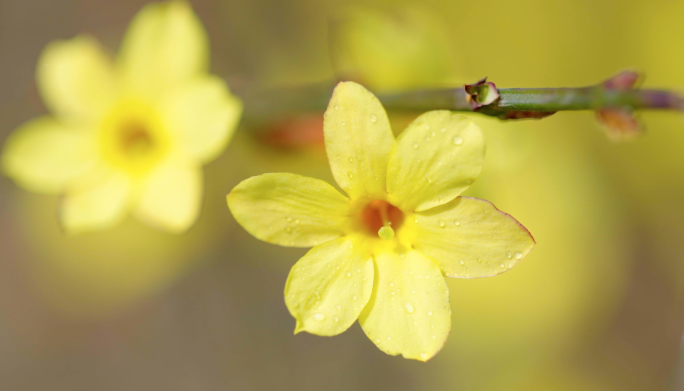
(512, 102)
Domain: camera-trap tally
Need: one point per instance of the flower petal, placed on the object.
(409, 311)
(435, 159)
(171, 198)
(44, 155)
(469, 238)
(96, 207)
(165, 45)
(76, 79)
(358, 140)
(203, 114)
(329, 286)
(290, 210)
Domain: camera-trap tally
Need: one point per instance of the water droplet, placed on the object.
(487, 263)
(348, 274)
(354, 297)
(350, 175)
(319, 317)
(458, 140)
(518, 255)
(409, 307)
(443, 130)
(424, 356)
(391, 284)
(393, 293)
(429, 313)
(428, 178)
(457, 222)
(501, 265)
(388, 338)
(441, 223)
(335, 106)
(415, 145)
(351, 160)
(318, 296)
(508, 255)
(427, 277)
(461, 262)
(479, 260)
(343, 123)
(338, 307)
(288, 218)
(288, 229)
(374, 119)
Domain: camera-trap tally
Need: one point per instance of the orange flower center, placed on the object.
(378, 214)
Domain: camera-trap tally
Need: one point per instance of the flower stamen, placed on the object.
(381, 218)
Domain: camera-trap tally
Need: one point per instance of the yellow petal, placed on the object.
(469, 238)
(44, 155)
(99, 206)
(409, 311)
(165, 45)
(76, 79)
(171, 198)
(290, 210)
(329, 286)
(358, 140)
(435, 159)
(203, 115)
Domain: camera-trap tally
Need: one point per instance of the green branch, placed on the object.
(483, 97)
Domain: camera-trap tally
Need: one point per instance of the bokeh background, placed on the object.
(598, 305)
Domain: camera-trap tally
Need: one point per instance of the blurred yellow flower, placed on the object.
(131, 135)
(359, 268)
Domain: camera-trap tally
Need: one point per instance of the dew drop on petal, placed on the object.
(409, 307)
(335, 319)
(508, 255)
(351, 160)
(343, 123)
(429, 313)
(441, 223)
(374, 119)
(461, 262)
(354, 297)
(501, 265)
(457, 222)
(350, 175)
(391, 284)
(319, 317)
(415, 145)
(518, 255)
(458, 140)
(423, 356)
(348, 274)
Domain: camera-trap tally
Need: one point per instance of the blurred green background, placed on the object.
(596, 306)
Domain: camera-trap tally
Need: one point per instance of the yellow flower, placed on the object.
(381, 253)
(128, 135)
